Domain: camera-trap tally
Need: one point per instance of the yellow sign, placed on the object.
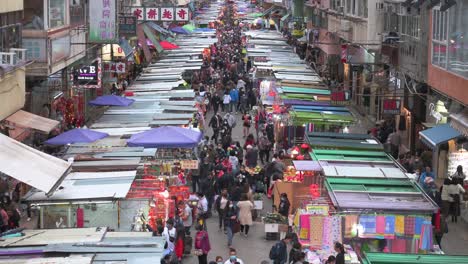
(317, 209)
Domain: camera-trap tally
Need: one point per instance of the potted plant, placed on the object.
(258, 201)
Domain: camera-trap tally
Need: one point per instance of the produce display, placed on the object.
(274, 218)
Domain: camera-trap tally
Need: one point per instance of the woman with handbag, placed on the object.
(202, 245)
(231, 222)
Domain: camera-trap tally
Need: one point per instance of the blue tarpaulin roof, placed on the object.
(438, 135)
(77, 135)
(113, 100)
(166, 137)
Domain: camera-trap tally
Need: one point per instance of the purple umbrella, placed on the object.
(112, 100)
(179, 30)
(166, 137)
(77, 135)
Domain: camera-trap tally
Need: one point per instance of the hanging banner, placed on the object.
(103, 21)
(127, 25)
(344, 53)
(161, 13)
(116, 67)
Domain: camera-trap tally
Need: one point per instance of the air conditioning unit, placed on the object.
(8, 58)
(20, 53)
(345, 25)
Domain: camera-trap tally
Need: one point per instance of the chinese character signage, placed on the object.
(167, 14)
(127, 25)
(152, 14)
(161, 13)
(138, 12)
(182, 14)
(103, 21)
(391, 106)
(117, 67)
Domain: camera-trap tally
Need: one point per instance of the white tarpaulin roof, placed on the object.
(89, 186)
(35, 168)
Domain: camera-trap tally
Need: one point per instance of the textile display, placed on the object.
(336, 235)
(350, 220)
(380, 225)
(418, 227)
(316, 231)
(409, 225)
(389, 226)
(426, 242)
(368, 223)
(305, 227)
(400, 225)
(327, 229)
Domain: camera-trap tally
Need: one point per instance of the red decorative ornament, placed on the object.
(300, 157)
(304, 146)
(272, 93)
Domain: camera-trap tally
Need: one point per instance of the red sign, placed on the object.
(182, 14)
(167, 14)
(138, 12)
(391, 106)
(344, 53)
(152, 14)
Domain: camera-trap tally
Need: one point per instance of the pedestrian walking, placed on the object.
(215, 123)
(284, 205)
(251, 157)
(279, 251)
(186, 216)
(264, 146)
(246, 123)
(245, 214)
(340, 257)
(231, 222)
(169, 235)
(226, 101)
(202, 245)
(222, 201)
(234, 94)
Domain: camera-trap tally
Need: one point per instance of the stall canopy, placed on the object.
(111, 100)
(179, 30)
(27, 120)
(307, 165)
(459, 121)
(324, 140)
(378, 194)
(166, 45)
(166, 137)
(31, 166)
(439, 134)
(385, 258)
(77, 135)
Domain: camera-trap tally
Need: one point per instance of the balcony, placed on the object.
(12, 81)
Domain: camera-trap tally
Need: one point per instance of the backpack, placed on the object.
(275, 251)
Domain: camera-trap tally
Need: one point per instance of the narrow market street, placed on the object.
(233, 132)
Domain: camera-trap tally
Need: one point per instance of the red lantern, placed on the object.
(300, 157)
(304, 146)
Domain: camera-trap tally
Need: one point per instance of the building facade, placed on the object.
(12, 58)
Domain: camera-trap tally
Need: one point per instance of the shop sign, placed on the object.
(127, 25)
(391, 106)
(116, 67)
(189, 164)
(161, 13)
(88, 76)
(103, 27)
(317, 209)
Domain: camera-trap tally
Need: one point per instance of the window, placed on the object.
(77, 12)
(348, 6)
(409, 25)
(34, 15)
(57, 13)
(10, 37)
(449, 33)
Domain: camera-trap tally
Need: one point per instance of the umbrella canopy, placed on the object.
(77, 135)
(166, 137)
(168, 46)
(112, 100)
(179, 30)
(189, 27)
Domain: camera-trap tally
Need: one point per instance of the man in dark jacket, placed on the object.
(215, 123)
(284, 205)
(279, 252)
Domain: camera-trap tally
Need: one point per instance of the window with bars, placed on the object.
(449, 43)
